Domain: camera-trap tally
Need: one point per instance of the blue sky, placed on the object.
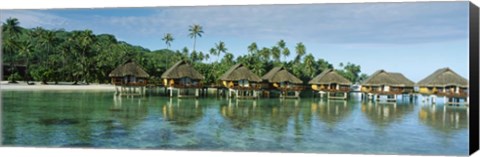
(412, 38)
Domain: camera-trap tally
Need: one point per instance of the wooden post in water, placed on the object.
(196, 92)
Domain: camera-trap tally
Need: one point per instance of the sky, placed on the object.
(411, 38)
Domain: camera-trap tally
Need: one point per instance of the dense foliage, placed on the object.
(82, 56)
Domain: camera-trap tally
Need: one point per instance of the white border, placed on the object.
(48, 4)
(74, 152)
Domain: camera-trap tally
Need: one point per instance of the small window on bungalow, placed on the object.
(243, 83)
(185, 80)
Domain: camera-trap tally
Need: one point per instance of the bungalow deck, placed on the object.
(247, 97)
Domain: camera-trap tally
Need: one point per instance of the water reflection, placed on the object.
(444, 118)
(182, 112)
(128, 111)
(382, 114)
(275, 113)
(332, 112)
(95, 120)
(239, 113)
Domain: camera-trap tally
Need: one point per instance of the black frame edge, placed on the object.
(474, 77)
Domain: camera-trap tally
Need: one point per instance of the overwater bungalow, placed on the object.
(333, 84)
(183, 78)
(280, 79)
(447, 84)
(389, 84)
(241, 81)
(129, 79)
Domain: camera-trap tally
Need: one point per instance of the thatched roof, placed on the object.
(129, 68)
(382, 77)
(240, 72)
(444, 77)
(328, 77)
(182, 69)
(280, 74)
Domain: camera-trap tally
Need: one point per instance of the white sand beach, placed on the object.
(21, 85)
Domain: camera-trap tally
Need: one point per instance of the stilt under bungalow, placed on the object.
(331, 85)
(129, 79)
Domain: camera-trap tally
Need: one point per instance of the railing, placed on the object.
(392, 91)
(386, 93)
(297, 88)
(257, 87)
(450, 94)
(130, 83)
(336, 90)
(200, 85)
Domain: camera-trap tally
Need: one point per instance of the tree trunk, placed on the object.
(12, 71)
(194, 42)
(26, 71)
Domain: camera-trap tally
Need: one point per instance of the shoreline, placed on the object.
(23, 86)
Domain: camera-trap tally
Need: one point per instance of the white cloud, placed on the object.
(374, 22)
(322, 23)
(34, 18)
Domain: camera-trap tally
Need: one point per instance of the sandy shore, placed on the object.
(5, 86)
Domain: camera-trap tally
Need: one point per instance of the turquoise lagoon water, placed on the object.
(100, 120)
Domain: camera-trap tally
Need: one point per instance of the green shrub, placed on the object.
(13, 78)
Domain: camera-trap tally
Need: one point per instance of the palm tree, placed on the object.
(11, 27)
(276, 53)
(286, 53)
(11, 31)
(212, 52)
(195, 30)
(201, 56)
(185, 53)
(47, 39)
(281, 44)
(75, 48)
(86, 40)
(323, 65)
(309, 65)
(265, 53)
(220, 48)
(194, 56)
(9, 44)
(168, 38)
(228, 58)
(300, 50)
(258, 66)
(252, 48)
(26, 50)
(207, 56)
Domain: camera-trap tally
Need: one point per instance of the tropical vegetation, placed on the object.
(80, 56)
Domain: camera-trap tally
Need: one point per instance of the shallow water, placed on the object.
(100, 120)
